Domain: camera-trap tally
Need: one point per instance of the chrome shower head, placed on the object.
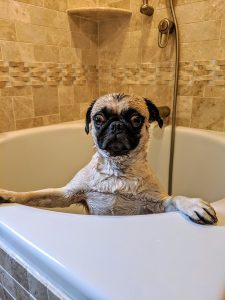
(146, 9)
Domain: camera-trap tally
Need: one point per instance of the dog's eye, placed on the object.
(99, 119)
(136, 120)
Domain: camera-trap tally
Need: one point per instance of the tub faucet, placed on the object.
(146, 9)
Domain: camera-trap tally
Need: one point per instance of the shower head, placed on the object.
(146, 9)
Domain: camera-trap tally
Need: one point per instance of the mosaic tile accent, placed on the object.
(18, 74)
(19, 282)
(138, 74)
(70, 87)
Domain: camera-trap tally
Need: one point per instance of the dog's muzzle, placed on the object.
(116, 141)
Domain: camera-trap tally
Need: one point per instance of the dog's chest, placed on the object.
(116, 196)
(113, 204)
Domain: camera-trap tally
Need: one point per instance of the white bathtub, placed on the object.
(50, 156)
(129, 258)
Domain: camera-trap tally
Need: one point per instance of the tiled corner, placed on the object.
(19, 281)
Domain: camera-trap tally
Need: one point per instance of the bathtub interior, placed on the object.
(199, 161)
(44, 157)
(50, 156)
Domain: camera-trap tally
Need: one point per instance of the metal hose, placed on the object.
(174, 107)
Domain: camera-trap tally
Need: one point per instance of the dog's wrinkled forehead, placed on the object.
(120, 102)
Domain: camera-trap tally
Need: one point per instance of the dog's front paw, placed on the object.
(196, 209)
(6, 196)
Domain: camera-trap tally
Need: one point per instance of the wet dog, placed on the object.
(118, 179)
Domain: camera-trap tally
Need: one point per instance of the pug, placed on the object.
(118, 180)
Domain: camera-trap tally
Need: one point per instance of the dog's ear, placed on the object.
(153, 112)
(88, 116)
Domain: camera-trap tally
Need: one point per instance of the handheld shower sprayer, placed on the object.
(146, 9)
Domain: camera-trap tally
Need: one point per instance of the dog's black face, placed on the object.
(118, 134)
(120, 123)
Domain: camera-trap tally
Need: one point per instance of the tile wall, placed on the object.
(130, 60)
(18, 281)
(48, 63)
(53, 65)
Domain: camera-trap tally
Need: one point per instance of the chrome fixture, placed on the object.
(146, 9)
(166, 27)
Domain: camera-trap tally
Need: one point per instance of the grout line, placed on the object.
(221, 27)
(6, 291)
(13, 279)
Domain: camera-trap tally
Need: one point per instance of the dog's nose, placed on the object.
(116, 127)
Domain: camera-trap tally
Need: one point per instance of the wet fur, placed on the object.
(118, 185)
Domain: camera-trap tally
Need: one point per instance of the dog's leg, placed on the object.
(196, 209)
(56, 197)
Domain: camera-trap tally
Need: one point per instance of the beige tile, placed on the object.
(66, 95)
(29, 123)
(17, 51)
(154, 54)
(117, 40)
(6, 114)
(192, 12)
(81, 3)
(83, 93)
(163, 3)
(125, 4)
(79, 40)
(89, 57)
(48, 17)
(19, 12)
(221, 50)
(7, 31)
(208, 113)
(160, 94)
(33, 2)
(31, 33)
(216, 9)
(42, 16)
(135, 22)
(204, 50)
(83, 109)
(215, 91)
(185, 89)
(184, 109)
(23, 107)
(69, 112)
(42, 35)
(62, 20)
(52, 119)
(45, 101)
(181, 2)
(4, 9)
(198, 88)
(56, 4)
(59, 37)
(17, 91)
(74, 23)
(118, 88)
(44, 53)
(200, 31)
(70, 55)
(138, 89)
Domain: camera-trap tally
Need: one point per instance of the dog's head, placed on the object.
(120, 123)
